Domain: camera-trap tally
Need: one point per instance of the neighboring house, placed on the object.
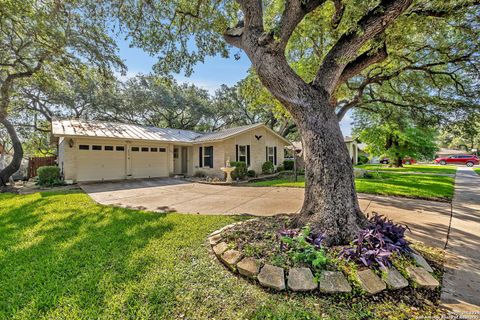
(352, 147)
(96, 151)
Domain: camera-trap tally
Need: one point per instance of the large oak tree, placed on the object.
(184, 32)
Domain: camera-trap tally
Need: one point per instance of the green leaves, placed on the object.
(301, 250)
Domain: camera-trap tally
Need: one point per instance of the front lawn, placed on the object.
(64, 257)
(423, 186)
(411, 168)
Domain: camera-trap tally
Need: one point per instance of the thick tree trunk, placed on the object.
(331, 205)
(398, 162)
(13, 166)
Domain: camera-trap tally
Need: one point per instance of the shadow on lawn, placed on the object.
(53, 254)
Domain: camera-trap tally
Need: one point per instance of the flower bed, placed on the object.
(379, 260)
(218, 181)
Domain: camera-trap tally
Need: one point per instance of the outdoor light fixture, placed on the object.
(70, 143)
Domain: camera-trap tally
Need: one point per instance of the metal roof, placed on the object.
(98, 129)
(226, 133)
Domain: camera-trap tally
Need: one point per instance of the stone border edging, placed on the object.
(330, 282)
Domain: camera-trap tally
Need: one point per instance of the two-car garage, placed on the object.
(104, 161)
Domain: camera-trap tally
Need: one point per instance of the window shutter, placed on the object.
(275, 155)
(200, 157)
(266, 154)
(236, 152)
(248, 155)
(211, 157)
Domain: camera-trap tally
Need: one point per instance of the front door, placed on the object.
(184, 160)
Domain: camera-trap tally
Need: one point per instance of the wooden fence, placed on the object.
(36, 162)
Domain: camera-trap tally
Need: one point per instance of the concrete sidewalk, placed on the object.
(428, 220)
(461, 281)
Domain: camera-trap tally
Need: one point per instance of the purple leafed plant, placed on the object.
(375, 244)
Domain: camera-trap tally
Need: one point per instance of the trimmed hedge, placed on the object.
(49, 176)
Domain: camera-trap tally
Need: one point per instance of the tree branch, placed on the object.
(345, 49)
(295, 11)
(338, 15)
(346, 107)
(253, 12)
(363, 61)
(443, 12)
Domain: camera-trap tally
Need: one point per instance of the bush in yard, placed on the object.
(280, 168)
(288, 164)
(268, 167)
(251, 173)
(240, 171)
(362, 159)
(49, 176)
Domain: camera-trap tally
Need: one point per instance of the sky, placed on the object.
(209, 75)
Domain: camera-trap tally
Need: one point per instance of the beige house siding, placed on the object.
(67, 159)
(218, 159)
(227, 150)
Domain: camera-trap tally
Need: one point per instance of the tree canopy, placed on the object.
(393, 134)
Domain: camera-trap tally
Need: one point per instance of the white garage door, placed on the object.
(149, 162)
(96, 162)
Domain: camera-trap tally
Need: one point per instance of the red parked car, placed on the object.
(467, 159)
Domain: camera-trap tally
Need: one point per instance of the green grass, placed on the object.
(423, 186)
(411, 168)
(64, 257)
(477, 170)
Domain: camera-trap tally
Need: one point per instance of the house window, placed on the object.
(96, 147)
(120, 148)
(175, 153)
(162, 150)
(271, 154)
(84, 147)
(144, 149)
(136, 149)
(153, 149)
(243, 154)
(108, 148)
(208, 157)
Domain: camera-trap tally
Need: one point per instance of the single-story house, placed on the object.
(96, 151)
(351, 144)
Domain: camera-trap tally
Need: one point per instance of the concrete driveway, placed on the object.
(428, 220)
